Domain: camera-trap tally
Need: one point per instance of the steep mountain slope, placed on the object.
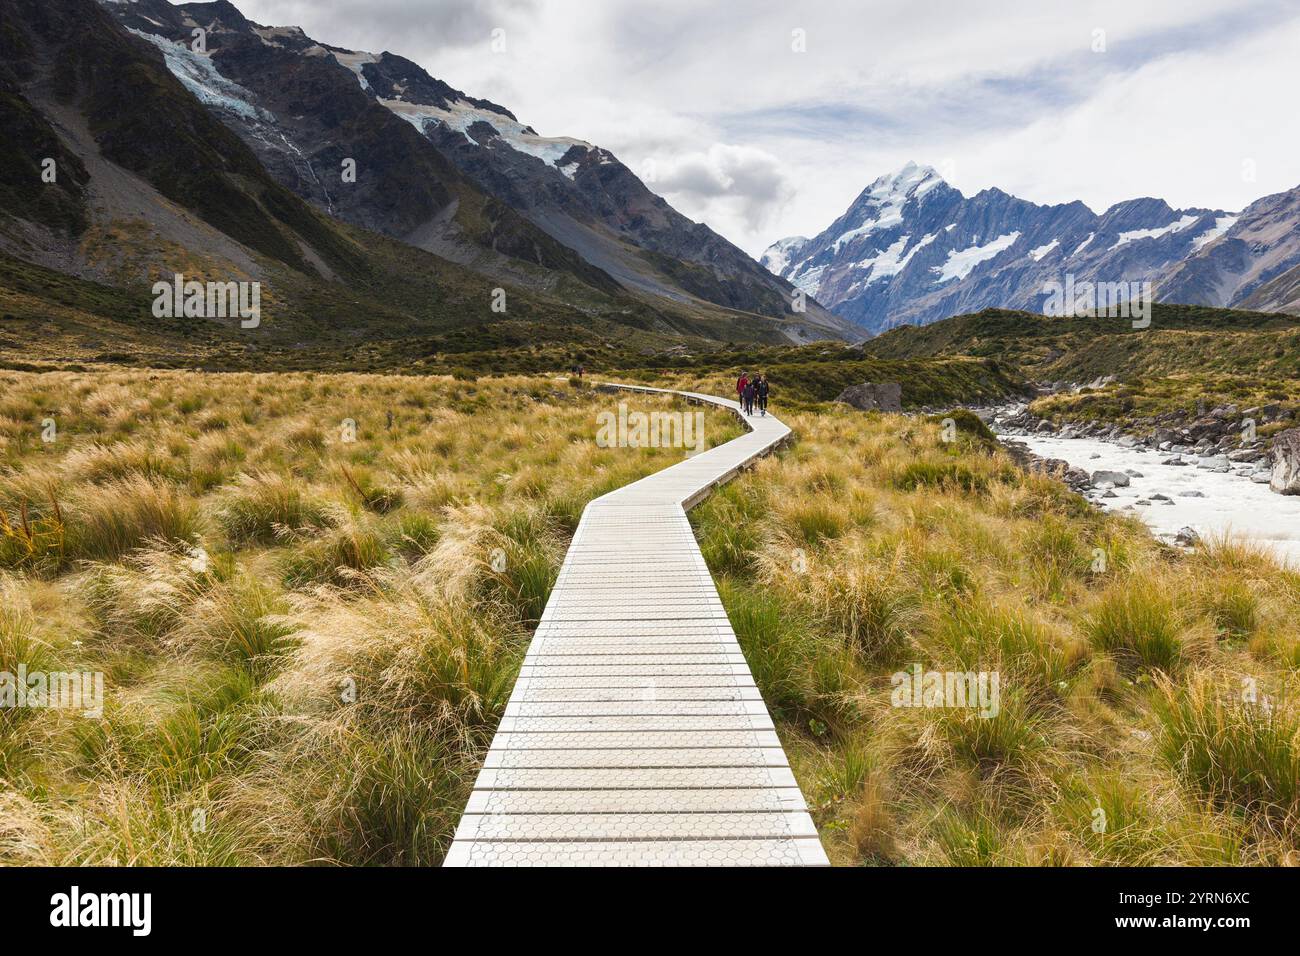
(1253, 265)
(911, 249)
(148, 183)
(286, 98)
(1281, 294)
(128, 139)
(448, 172)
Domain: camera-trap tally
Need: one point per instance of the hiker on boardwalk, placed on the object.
(740, 387)
(761, 390)
(750, 388)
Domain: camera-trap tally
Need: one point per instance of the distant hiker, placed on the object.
(740, 387)
(762, 390)
(750, 389)
(581, 371)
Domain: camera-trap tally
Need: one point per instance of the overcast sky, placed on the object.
(713, 104)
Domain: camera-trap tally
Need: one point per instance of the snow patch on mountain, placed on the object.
(891, 262)
(272, 36)
(462, 115)
(889, 195)
(198, 75)
(1038, 253)
(354, 62)
(1178, 225)
(809, 281)
(1221, 225)
(778, 256)
(961, 261)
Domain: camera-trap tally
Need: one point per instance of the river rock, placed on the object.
(1117, 479)
(1078, 477)
(1187, 537)
(1285, 479)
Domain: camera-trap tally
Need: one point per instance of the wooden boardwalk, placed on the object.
(635, 735)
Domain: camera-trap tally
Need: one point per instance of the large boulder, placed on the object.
(1286, 462)
(1116, 478)
(869, 397)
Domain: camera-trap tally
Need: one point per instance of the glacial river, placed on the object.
(1232, 504)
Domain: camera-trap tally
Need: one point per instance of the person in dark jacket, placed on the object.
(760, 391)
(748, 403)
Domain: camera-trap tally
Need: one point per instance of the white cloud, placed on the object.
(741, 186)
(1181, 127)
(760, 141)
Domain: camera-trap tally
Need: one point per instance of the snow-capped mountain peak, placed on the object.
(911, 249)
(912, 180)
(778, 254)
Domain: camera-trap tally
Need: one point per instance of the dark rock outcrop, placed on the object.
(1286, 463)
(871, 397)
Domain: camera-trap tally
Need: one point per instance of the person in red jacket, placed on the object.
(740, 387)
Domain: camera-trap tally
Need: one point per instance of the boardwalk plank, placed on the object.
(634, 735)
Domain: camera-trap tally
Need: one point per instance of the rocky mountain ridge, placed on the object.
(911, 249)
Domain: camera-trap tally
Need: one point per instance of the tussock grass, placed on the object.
(1233, 751)
(1138, 624)
(307, 640)
(264, 508)
(945, 556)
(140, 599)
(20, 645)
(120, 516)
(341, 558)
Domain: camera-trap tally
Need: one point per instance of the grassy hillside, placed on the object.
(1179, 339)
(804, 384)
(1190, 360)
(1186, 396)
(409, 311)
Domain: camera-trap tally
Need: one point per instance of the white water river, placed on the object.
(1232, 504)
